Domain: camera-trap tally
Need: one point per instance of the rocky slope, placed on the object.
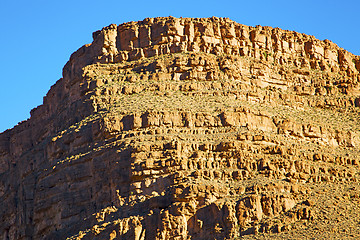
(186, 128)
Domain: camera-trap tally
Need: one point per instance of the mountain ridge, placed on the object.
(187, 128)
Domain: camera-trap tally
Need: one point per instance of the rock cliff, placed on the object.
(189, 128)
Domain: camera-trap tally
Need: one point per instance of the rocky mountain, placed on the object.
(190, 128)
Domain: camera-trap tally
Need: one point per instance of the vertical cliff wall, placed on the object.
(186, 128)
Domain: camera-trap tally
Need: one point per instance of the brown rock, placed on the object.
(188, 129)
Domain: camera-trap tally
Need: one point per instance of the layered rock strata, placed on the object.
(186, 128)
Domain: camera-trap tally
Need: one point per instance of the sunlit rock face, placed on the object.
(189, 128)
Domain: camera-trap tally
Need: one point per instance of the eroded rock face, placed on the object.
(189, 129)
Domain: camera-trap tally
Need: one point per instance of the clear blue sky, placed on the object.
(38, 37)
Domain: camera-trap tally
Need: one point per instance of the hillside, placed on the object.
(190, 128)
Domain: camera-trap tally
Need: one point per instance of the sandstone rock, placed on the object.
(186, 129)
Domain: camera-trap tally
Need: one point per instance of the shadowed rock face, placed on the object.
(189, 129)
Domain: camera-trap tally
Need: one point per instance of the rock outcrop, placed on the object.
(187, 128)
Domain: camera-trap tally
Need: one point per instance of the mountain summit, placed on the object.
(189, 128)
